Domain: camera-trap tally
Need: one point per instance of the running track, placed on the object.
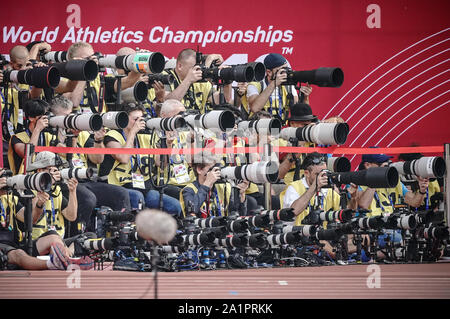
(397, 281)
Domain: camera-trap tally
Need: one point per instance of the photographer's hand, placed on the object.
(139, 125)
(160, 92)
(423, 184)
(56, 174)
(280, 77)
(72, 185)
(321, 180)
(2, 179)
(40, 199)
(41, 124)
(212, 177)
(242, 189)
(194, 74)
(212, 58)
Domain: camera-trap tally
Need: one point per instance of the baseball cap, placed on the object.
(376, 158)
(45, 159)
(274, 60)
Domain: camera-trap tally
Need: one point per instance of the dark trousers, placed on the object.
(93, 194)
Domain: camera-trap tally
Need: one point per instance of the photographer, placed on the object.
(207, 197)
(433, 195)
(181, 173)
(186, 88)
(11, 237)
(16, 94)
(156, 94)
(304, 194)
(253, 139)
(93, 193)
(132, 171)
(51, 209)
(270, 95)
(290, 164)
(382, 201)
(85, 96)
(35, 133)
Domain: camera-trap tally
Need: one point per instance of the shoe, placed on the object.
(85, 262)
(61, 261)
(58, 257)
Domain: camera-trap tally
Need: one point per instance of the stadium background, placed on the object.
(394, 54)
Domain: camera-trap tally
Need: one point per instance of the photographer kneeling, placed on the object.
(206, 197)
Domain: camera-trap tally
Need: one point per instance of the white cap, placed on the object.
(43, 159)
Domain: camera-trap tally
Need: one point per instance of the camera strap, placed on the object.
(190, 94)
(92, 98)
(152, 111)
(3, 219)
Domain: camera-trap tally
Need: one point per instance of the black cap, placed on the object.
(301, 112)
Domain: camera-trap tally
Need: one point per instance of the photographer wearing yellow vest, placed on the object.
(188, 86)
(290, 171)
(207, 197)
(133, 171)
(304, 194)
(35, 133)
(382, 201)
(93, 193)
(270, 95)
(12, 245)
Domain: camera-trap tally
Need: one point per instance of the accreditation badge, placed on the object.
(138, 180)
(77, 163)
(181, 174)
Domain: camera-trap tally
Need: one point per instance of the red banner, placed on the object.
(394, 54)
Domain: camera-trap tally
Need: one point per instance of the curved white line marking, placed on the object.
(394, 56)
(423, 116)
(393, 103)
(386, 73)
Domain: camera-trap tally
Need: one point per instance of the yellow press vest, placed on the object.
(84, 103)
(13, 99)
(9, 203)
(51, 216)
(220, 193)
(121, 174)
(331, 201)
(14, 159)
(382, 203)
(273, 107)
(200, 91)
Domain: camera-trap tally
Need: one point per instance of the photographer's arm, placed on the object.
(66, 86)
(98, 143)
(302, 202)
(256, 102)
(416, 199)
(128, 81)
(76, 95)
(70, 212)
(194, 75)
(366, 198)
(37, 203)
(285, 166)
